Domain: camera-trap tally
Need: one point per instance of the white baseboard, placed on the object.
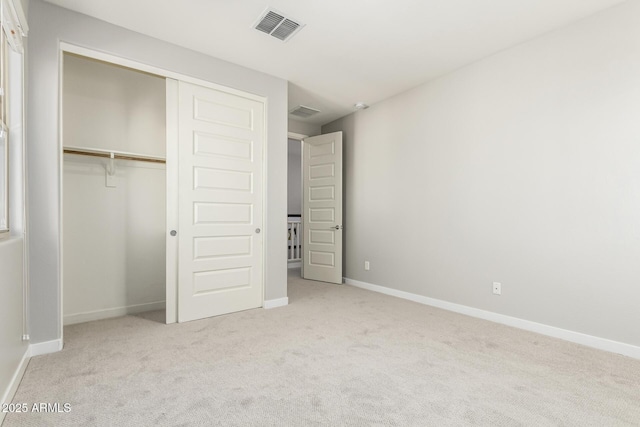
(72, 319)
(552, 331)
(12, 387)
(37, 349)
(273, 303)
(40, 348)
(294, 264)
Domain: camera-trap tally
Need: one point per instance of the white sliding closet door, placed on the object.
(220, 246)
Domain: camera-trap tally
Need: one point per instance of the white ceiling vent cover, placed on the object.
(277, 25)
(304, 112)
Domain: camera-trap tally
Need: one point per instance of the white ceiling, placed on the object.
(350, 50)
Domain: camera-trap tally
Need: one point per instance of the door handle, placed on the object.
(337, 227)
(173, 232)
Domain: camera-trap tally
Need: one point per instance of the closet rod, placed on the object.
(116, 155)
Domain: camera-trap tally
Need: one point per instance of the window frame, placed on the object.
(13, 28)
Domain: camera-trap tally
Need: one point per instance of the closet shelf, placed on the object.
(118, 155)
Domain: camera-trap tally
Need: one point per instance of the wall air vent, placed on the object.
(277, 25)
(304, 112)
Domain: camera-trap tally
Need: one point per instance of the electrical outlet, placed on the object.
(366, 265)
(497, 288)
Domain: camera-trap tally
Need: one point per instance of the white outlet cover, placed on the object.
(497, 288)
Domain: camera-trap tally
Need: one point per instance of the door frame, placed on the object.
(172, 142)
(300, 138)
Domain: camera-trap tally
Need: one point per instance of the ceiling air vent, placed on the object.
(304, 112)
(277, 25)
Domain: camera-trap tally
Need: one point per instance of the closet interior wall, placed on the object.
(113, 237)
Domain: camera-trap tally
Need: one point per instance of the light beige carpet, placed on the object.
(337, 355)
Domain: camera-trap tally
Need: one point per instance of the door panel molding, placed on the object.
(221, 201)
(322, 208)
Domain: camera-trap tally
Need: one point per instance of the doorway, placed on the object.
(315, 175)
(294, 202)
(113, 209)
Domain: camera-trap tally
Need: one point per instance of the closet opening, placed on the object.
(113, 191)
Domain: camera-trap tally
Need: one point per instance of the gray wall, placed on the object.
(12, 348)
(303, 128)
(294, 166)
(49, 25)
(523, 168)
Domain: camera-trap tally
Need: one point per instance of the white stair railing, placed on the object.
(294, 240)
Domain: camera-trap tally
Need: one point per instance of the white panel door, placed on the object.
(220, 260)
(322, 207)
